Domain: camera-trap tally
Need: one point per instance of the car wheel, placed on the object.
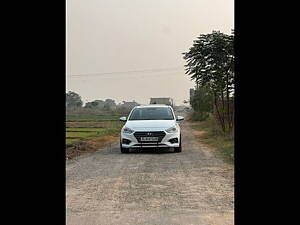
(124, 150)
(178, 149)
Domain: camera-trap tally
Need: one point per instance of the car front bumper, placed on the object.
(165, 143)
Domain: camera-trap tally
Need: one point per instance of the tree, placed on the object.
(109, 104)
(210, 62)
(202, 102)
(96, 104)
(73, 100)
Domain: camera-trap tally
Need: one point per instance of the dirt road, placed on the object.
(150, 187)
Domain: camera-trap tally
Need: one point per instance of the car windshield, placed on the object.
(152, 113)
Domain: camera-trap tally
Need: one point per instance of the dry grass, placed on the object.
(89, 145)
(211, 135)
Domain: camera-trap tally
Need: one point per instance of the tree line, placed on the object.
(210, 63)
(74, 103)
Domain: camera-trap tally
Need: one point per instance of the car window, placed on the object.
(155, 113)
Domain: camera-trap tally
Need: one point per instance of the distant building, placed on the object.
(130, 104)
(164, 101)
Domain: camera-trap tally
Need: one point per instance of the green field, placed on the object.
(72, 141)
(80, 117)
(80, 134)
(81, 127)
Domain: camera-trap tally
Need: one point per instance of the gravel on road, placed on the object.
(151, 187)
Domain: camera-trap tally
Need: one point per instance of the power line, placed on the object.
(126, 72)
(138, 76)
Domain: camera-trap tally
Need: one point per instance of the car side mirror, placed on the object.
(123, 118)
(179, 118)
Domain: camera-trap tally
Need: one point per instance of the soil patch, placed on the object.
(199, 133)
(89, 145)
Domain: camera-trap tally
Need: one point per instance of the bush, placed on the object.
(199, 116)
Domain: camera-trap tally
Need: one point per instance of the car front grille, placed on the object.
(150, 144)
(159, 134)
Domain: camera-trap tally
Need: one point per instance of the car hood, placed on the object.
(150, 125)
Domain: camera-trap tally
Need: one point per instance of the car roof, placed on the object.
(152, 105)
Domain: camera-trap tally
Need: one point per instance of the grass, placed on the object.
(89, 132)
(212, 136)
(85, 133)
(86, 117)
(80, 134)
(77, 132)
(83, 129)
(72, 141)
(93, 124)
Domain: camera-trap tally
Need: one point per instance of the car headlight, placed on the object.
(172, 130)
(127, 130)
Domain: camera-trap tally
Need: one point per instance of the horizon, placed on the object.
(120, 102)
(132, 50)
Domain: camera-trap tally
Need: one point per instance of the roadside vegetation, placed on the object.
(93, 125)
(75, 134)
(84, 135)
(213, 136)
(91, 117)
(210, 63)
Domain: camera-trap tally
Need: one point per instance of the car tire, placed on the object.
(178, 149)
(124, 150)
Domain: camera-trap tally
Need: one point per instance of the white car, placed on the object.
(151, 126)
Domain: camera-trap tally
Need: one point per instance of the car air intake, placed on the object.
(159, 134)
(125, 141)
(173, 140)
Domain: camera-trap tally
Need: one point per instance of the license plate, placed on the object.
(149, 138)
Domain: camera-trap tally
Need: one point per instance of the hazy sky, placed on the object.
(106, 39)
